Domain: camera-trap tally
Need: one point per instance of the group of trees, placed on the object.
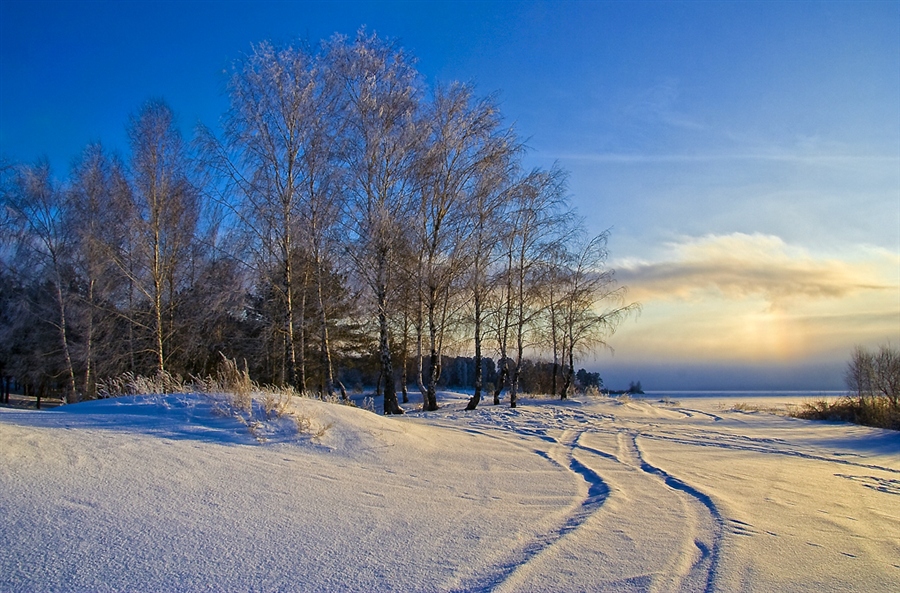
(873, 374)
(347, 211)
(873, 397)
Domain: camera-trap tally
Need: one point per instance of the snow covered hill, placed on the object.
(162, 493)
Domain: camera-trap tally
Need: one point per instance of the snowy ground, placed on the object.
(597, 494)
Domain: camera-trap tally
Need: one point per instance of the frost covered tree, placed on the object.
(36, 206)
(381, 91)
(280, 159)
(97, 216)
(464, 142)
(538, 219)
(589, 304)
(166, 209)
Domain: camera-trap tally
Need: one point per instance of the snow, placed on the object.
(165, 493)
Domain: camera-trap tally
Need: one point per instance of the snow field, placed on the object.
(162, 494)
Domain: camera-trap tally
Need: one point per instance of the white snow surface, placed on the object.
(160, 493)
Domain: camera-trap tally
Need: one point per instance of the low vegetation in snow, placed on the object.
(262, 409)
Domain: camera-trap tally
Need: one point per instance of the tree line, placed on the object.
(347, 212)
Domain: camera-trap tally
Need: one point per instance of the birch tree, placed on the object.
(381, 101)
(166, 208)
(37, 206)
(590, 304)
(280, 156)
(539, 217)
(463, 142)
(97, 213)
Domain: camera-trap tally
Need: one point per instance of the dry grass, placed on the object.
(868, 411)
(747, 407)
(233, 393)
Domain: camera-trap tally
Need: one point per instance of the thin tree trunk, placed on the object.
(430, 403)
(71, 395)
(301, 365)
(476, 399)
(404, 375)
(391, 406)
(89, 344)
(157, 302)
(289, 311)
(327, 368)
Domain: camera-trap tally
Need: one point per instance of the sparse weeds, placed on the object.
(162, 383)
(746, 407)
(262, 409)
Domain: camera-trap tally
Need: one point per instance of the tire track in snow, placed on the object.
(598, 492)
(767, 446)
(710, 550)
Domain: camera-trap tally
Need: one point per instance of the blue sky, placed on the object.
(746, 155)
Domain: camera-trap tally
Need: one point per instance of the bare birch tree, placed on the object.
(382, 95)
(538, 221)
(37, 206)
(590, 304)
(166, 207)
(96, 216)
(463, 141)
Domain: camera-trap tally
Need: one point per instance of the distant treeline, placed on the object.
(458, 372)
(346, 213)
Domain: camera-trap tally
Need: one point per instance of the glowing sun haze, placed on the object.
(753, 297)
(745, 155)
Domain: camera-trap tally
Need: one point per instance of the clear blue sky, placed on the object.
(745, 154)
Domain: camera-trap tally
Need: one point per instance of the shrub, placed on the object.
(878, 412)
(875, 374)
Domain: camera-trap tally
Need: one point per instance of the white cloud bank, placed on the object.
(742, 297)
(739, 265)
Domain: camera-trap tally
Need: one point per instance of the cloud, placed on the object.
(740, 266)
(792, 158)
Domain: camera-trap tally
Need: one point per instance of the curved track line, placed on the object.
(598, 492)
(708, 552)
(761, 448)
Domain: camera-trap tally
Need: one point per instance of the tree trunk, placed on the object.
(434, 372)
(568, 372)
(476, 399)
(327, 367)
(71, 395)
(157, 317)
(404, 374)
(301, 365)
(289, 321)
(89, 391)
(501, 379)
(391, 406)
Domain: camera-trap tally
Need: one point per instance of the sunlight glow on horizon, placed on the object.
(753, 298)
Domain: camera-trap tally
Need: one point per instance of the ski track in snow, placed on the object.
(696, 566)
(597, 492)
(709, 544)
(699, 558)
(755, 445)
